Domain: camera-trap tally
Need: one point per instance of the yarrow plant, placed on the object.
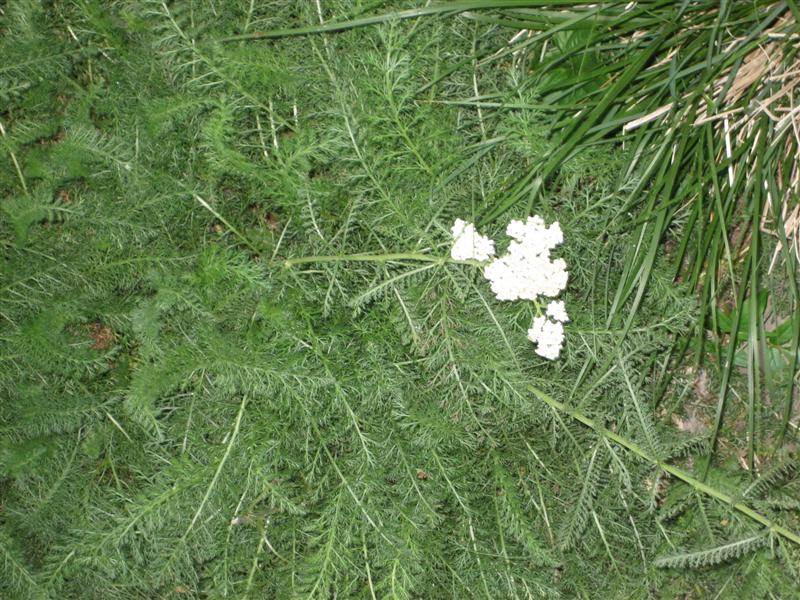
(278, 376)
(525, 272)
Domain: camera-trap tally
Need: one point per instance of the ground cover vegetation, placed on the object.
(239, 362)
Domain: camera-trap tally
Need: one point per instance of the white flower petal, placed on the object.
(557, 311)
(548, 337)
(469, 244)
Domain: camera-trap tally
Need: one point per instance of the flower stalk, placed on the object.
(378, 258)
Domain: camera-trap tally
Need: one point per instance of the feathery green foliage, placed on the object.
(237, 362)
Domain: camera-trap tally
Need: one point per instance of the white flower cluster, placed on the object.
(525, 272)
(558, 311)
(549, 335)
(469, 244)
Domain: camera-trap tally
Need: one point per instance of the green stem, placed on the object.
(390, 257)
(674, 471)
(225, 222)
(16, 163)
(447, 8)
(378, 258)
(234, 434)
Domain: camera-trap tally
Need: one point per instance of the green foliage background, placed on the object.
(185, 416)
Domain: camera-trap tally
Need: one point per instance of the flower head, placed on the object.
(535, 235)
(526, 271)
(469, 244)
(557, 311)
(548, 336)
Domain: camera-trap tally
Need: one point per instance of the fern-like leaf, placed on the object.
(16, 579)
(583, 507)
(715, 555)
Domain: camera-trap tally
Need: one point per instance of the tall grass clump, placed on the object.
(241, 358)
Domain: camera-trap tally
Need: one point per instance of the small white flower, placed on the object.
(526, 271)
(535, 235)
(548, 336)
(558, 311)
(469, 244)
